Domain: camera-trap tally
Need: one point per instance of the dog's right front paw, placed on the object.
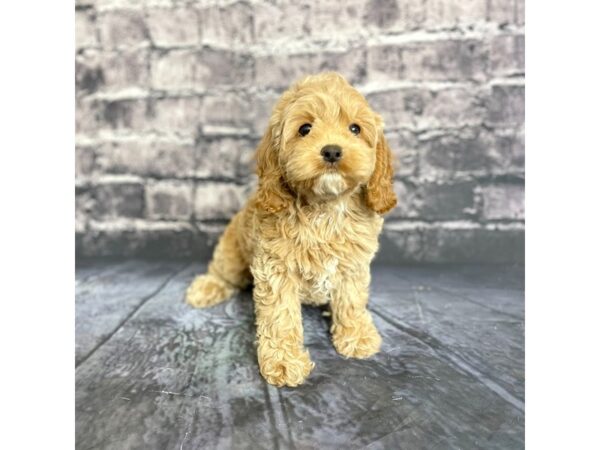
(359, 341)
(282, 367)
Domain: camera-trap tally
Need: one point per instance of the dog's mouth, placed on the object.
(332, 169)
(329, 184)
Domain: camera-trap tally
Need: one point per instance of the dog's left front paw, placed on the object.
(360, 341)
(284, 366)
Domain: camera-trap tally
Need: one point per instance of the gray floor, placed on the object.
(153, 373)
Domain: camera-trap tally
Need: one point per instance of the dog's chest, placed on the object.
(327, 247)
(318, 268)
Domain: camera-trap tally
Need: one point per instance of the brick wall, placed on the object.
(173, 96)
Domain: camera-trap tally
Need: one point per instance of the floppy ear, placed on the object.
(272, 195)
(380, 195)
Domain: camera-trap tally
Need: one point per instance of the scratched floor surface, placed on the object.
(153, 373)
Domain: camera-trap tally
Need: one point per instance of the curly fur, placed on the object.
(309, 233)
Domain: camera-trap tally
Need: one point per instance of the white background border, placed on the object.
(562, 231)
(562, 290)
(37, 225)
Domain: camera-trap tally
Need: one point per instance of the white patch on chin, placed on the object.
(330, 184)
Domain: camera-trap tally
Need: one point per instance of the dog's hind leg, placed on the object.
(227, 272)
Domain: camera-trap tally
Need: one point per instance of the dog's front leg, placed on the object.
(282, 358)
(353, 332)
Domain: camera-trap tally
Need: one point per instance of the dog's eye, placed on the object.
(354, 129)
(304, 129)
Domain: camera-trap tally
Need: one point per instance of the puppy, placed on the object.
(309, 233)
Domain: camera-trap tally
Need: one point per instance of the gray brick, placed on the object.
(282, 70)
(399, 108)
(221, 67)
(451, 107)
(471, 152)
(507, 55)
(85, 28)
(178, 115)
(84, 204)
(447, 60)
(218, 200)
(171, 27)
(122, 28)
(434, 200)
(506, 105)
(125, 69)
(84, 160)
(381, 13)
(87, 119)
(208, 68)
(228, 110)
(508, 150)
(452, 13)
(89, 76)
(408, 201)
(455, 154)
(506, 12)
(404, 147)
(412, 16)
(477, 245)
(343, 17)
(447, 201)
(520, 12)
(169, 200)
(174, 69)
(393, 15)
(227, 157)
(396, 247)
(206, 238)
(272, 20)
(140, 239)
(445, 243)
(228, 25)
(260, 109)
(473, 245)
(503, 201)
(111, 71)
(133, 114)
(118, 199)
(147, 158)
(424, 109)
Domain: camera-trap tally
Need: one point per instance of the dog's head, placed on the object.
(323, 140)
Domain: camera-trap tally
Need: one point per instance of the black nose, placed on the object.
(331, 153)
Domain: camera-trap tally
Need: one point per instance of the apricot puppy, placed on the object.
(309, 233)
